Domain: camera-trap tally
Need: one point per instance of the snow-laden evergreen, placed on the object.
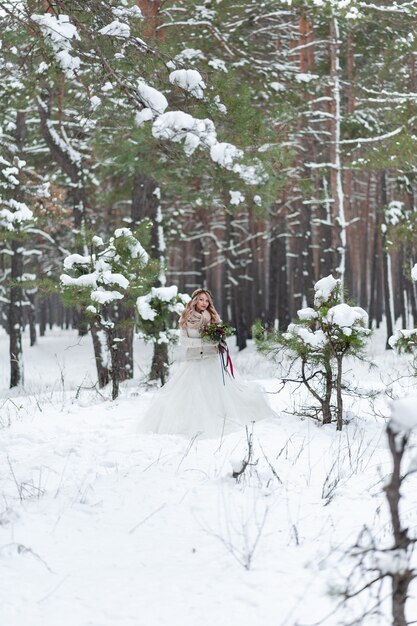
(318, 343)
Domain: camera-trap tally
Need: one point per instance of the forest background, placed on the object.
(257, 146)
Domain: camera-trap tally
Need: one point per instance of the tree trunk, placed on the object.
(412, 299)
(80, 321)
(71, 166)
(15, 321)
(401, 290)
(339, 398)
(100, 354)
(365, 237)
(273, 280)
(239, 303)
(145, 203)
(113, 347)
(125, 321)
(327, 255)
(15, 315)
(43, 316)
(385, 266)
(31, 316)
(159, 367)
(152, 19)
(70, 161)
(402, 579)
(236, 268)
(328, 380)
(322, 398)
(372, 306)
(126, 334)
(336, 180)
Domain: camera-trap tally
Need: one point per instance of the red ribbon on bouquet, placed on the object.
(225, 359)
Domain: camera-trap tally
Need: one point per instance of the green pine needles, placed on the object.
(318, 342)
(104, 283)
(157, 313)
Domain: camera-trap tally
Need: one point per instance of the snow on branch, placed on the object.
(13, 213)
(103, 273)
(127, 12)
(151, 98)
(116, 29)
(347, 317)
(134, 246)
(225, 154)
(371, 139)
(155, 311)
(325, 288)
(178, 126)
(407, 8)
(73, 155)
(189, 80)
(348, 8)
(16, 214)
(60, 32)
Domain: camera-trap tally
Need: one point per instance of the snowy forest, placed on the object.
(265, 150)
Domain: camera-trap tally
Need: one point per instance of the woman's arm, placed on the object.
(189, 342)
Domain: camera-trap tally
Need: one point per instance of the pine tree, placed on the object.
(100, 282)
(318, 342)
(156, 312)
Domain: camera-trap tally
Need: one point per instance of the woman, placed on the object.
(200, 399)
(198, 312)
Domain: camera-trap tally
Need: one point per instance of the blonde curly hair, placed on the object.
(191, 312)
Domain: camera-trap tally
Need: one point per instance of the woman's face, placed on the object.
(202, 302)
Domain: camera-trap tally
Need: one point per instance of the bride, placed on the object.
(199, 398)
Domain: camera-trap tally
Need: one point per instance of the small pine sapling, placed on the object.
(318, 341)
(156, 311)
(100, 282)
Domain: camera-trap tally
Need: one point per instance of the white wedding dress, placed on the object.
(199, 401)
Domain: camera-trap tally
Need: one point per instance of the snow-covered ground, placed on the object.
(103, 526)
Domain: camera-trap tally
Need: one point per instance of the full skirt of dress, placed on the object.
(199, 401)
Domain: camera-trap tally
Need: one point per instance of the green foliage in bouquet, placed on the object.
(216, 333)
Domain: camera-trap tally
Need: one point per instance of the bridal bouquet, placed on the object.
(217, 333)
